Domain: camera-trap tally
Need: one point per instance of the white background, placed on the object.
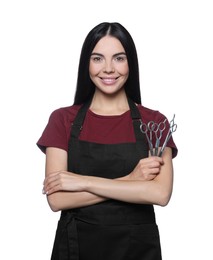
(40, 43)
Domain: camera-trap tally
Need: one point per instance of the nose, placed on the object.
(109, 67)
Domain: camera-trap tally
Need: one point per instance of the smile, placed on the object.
(109, 81)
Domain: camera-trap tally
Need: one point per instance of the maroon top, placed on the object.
(96, 128)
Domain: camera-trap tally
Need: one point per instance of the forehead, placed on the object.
(108, 44)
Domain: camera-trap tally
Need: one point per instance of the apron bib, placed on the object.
(110, 230)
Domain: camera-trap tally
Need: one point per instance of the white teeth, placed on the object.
(108, 80)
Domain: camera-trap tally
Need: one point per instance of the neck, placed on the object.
(109, 104)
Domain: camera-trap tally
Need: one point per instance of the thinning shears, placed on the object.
(172, 129)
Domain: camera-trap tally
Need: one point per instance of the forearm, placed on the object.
(142, 192)
(67, 200)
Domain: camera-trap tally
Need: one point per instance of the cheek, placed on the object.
(93, 72)
(93, 69)
(126, 71)
(123, 69)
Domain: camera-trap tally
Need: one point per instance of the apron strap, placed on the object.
(136, 120)
(79, 119)
(135, 114)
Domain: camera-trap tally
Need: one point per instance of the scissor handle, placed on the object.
(173, 126)
(151, 125)
(162, 125)
(172, 129)
(143, 128)
(158, 134)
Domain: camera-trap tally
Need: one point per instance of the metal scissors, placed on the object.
(172, 129)
(158, 130)
(151, 125)
(145, 129)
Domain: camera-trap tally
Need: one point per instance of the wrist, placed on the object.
(124, 178)
(86, 183)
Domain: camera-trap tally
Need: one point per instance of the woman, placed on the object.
(99, 172)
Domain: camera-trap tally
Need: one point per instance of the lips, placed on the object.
(108, 81)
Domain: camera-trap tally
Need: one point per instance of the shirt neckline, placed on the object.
(108, 116)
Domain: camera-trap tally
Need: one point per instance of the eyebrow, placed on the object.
(116, 54)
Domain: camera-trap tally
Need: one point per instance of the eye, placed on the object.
(96, 58)
(120, 58)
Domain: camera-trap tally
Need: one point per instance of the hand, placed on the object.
(147, 169)
(63, 181)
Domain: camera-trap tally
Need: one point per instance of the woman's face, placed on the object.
(108, 67)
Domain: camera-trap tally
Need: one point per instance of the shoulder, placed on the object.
(65, 114)
(57, 130)
(148, 114)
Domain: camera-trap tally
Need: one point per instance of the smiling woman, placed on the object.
(99, 173)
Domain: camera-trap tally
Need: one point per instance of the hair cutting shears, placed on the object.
(172, 129)
(158, 130)
(145, 129)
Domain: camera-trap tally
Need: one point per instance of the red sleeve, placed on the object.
(57, 131)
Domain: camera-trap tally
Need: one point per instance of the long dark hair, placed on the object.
(85, 87)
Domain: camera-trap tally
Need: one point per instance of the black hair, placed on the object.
(85, 87)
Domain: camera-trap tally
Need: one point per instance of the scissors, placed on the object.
(172, 129)
(158, 130)
(145, 129)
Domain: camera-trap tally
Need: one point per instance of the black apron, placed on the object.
(110, 230)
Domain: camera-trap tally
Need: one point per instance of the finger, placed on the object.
(53, 189)
(151, 177)
(149, 165)
(155, 164)
(51, 182)
(51, 177)
(53, 186)
(158, 159)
